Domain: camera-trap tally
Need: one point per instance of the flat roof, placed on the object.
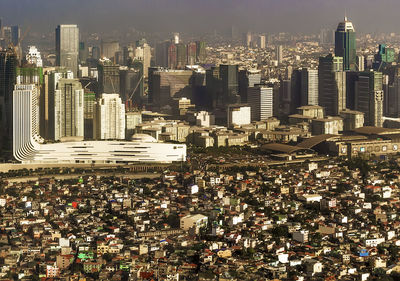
(370, 130)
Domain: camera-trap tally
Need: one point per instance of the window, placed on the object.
(362, 149)
(395, 147)
(384, 148)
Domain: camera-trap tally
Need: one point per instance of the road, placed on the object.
(75, 176)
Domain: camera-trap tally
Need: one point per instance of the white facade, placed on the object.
(110, 118)
(28, 146)
(143, 53)
(33, 57)
(239, 115)
(204, 119)
(260, 100)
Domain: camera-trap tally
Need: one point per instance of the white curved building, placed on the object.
(29, 147)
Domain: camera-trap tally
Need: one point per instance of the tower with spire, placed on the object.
(345, 44)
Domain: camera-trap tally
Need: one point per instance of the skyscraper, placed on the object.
(110, 118)
(191, 53)
(247, 78)
(201, 51)
(67, 47)
(305, 86)
(345, 44)
(332, 84)
(230, 84)
(33, 57)
(260, 100)
(261, 42)
(15, 35)
(279, 54)
(8, 66)
(67, 105)
(369, 97)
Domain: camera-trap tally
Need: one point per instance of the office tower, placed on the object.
(33, 57)
(285, 102)
(181, 55)
(89, 103)
(392, 99)
(248, 39)
(67, 47)
(332, 84)
(369, 97)
(109, 118)
(162, 53)
(172, 56)
(247, 78)
(345, 44)
(201, 51)
(360, 63)
(279, 54)
(295, 91)
(15, 35)
(239, 115)
(199, 94)
(191, 53)
(83, 52)
(109, 80)
(165, 85)
(230, 84)
(260, 99)
(132, 84)
(309, 86)
(213, 86)
(8, 66)
(176, 38)
(261, 42)
(66, 118)
(109, 49)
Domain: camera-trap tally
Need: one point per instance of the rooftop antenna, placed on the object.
(345, 14)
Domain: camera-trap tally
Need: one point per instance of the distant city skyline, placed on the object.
(306, 16)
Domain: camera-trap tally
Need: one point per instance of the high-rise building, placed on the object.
(261, 42)
(88, 114)
(247, 78)
(109, 80)
(345, 44)
(109, 49)
(332, 84)
(172, 56)
(309, 86)
(369, 97)
(279, 54)
(165, 85)
(360, 63)
(83, 52)
(110, 118)
(248, 39)
(260, 99)
(201, 51)
(132, 119)
(384, 57)
(67, 113)
(67, 47)
(181, 55)
(230, 84)
(8, 66)
(162, 53)
(191, 53)
(131, 84)
(143, 54)
(33, 57)
(51, 77)
(326, 36)
(15, 35)
(176, 38)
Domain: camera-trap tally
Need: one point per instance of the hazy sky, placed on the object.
(203, 15)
